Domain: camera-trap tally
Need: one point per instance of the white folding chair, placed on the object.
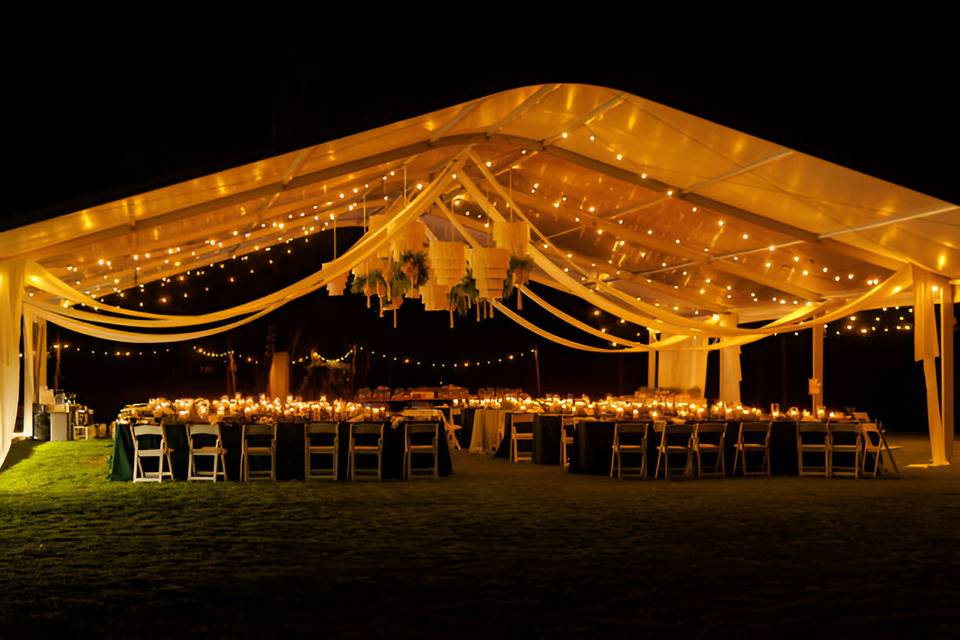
(753, 437)
(522, 434)
(161, 453)
(567, 431)
(259, 441)
(710, 438)
(320, 440)
(204, 441)
(363, 435)
(417, 443)
(813, 438)
(629, 438)
(844, 438)
(875, 444)
(674, 439)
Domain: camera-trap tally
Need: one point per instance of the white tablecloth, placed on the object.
(488, 426)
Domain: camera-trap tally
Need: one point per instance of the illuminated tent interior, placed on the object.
(662, 219)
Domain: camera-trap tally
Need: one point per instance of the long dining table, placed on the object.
(592, 446)
(290, 450)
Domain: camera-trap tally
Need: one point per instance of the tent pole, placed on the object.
(946, 366)
(817, 398)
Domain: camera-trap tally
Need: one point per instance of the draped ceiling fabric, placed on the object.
(652, 215)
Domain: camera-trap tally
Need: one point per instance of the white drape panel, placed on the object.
(279, 375)
(926, 348)
(683, 369)
(11, 309)
(730, 373)
(40, 348)
(29, 376)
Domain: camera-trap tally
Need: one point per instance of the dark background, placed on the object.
(92, 124)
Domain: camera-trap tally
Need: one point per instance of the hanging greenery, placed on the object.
(518, 274)
(464, 294)
(358, 283)
(375, 284)
(399, 283)
(414, 267)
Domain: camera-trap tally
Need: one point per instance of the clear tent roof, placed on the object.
(667, 206)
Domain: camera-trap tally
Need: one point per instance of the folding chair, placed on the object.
(259, 441)
(753, 437)
(674, 439)
(416, 443)
(813, 438)
(629, 438)
(199, 440)
(567, 431)
(320, 439)
(523, 434)
(710, 438)
(362, 435)
(161, 453)
(875, 444)
(844, 439)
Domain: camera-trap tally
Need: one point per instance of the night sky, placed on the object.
(94, 127)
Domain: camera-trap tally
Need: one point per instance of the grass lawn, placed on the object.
(495, 549)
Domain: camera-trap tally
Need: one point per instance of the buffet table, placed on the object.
(290, 451)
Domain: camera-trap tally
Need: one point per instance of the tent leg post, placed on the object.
(946, 367)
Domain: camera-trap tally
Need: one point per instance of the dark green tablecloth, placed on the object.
(593, 442)
(290, 448)
(546, 438)
(465, 434)
(592, 446)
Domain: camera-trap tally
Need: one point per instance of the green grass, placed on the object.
(496, 549)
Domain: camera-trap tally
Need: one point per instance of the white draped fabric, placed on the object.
(730, 374)
(926, 349)
(11, 309)
(683, 369)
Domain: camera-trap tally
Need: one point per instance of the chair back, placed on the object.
(259, 435)
(677, 434)
(861, 416)
(151, 432)
(146, 430)
(521, 422)
(366, 432)
(715, 432)
(259, 430)
(631, 432)
(871, 434)
(422, 432)
(844, 433)
(206, 433)
(749, 431)
(321, 429)
(203, 430)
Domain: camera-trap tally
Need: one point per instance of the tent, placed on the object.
(664, 219)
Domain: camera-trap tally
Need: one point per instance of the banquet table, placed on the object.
(547, 433)
(465, 434)
(593, 441)
(290, 449)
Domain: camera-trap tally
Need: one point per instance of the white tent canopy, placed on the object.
(668, 217)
